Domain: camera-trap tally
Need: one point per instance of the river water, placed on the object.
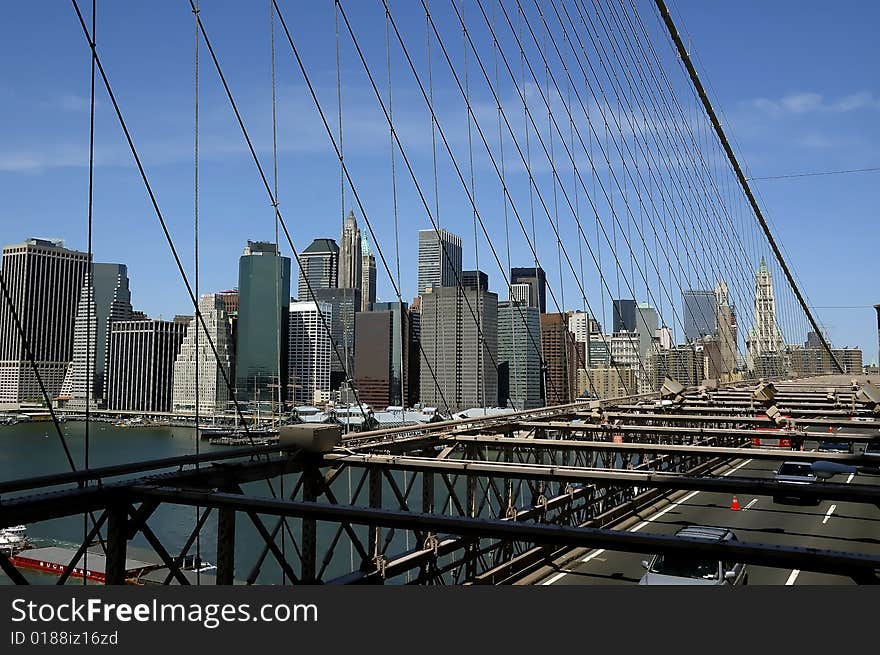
(33, 449)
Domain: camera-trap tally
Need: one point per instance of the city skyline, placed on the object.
(812, 120)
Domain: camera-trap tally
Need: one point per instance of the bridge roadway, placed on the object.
(833, 525)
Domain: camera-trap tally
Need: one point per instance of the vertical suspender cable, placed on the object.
(195, 323)
(90, 280)
(707, 105)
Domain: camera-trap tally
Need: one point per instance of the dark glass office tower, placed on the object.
(261, 330)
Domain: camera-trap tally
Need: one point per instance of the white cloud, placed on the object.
(810, 102)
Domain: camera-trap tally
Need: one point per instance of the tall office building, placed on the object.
(519, 356)
(197, 355)
(764, 336)
(402, 334)
(343, 304)
(106, 299)
(140, 369)
(230, 301)
(350, 254)
(563, 356)
(698, 314)
(439, 259)
(309, 350)
(599, 347)
(813, 340)
(374, 371)
(463, 363)
(44, 280)
(625, 349)
(684, 363)
(624, 315)
(475, 280)
(414, 347)
(537, 281)
(521, 292)
(608, 381)
(261, 329)
(647, 323)
(582, 325)
(368, 272)
(319, 264)
(725, 316)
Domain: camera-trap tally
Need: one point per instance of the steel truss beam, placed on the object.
(702, 450)
(860, 567)
(661, 480)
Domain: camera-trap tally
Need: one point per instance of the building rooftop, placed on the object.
(321, 246)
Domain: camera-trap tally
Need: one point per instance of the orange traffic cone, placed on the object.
(830, 430)
(734, 505)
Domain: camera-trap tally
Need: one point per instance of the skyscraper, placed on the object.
(368, 283)
(521, 292)
(374, 374)
(582, 325)
(698, 314)
(140, 369)
(44, 280)
(320, 266)
(537, 281)
(684, 364)
(647, 323)
(343, 305)
(439, 259)
(475, 280)
(624, 315)
(519, 356)
(213, 394)
(401, 352)
(261, 331)
(463, 363)
(309, 350)
(764, 335)
(350, 255)
(562, 357)
(106, 299)
(726, 328)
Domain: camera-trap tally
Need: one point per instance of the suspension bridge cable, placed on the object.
(515, 142)
(673, 32)
(361, 207)
(636, 92)
(90, 355)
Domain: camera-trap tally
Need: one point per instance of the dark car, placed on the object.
(794, 475)
(872, 449)
(835, 447)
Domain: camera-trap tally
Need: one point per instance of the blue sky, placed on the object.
(796, 81)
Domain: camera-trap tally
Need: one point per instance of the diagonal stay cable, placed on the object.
(352, 186)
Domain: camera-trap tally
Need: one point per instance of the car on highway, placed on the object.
(794, 474)
(682, 569)
(827, 446)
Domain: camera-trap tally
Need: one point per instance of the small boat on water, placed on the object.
(13, 539)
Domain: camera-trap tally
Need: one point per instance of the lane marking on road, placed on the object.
(555, 578)
(791, 578)
(850, 478)
(562, 574)
(752, 502)
(736, 468)
(828, 514)
(592, 555)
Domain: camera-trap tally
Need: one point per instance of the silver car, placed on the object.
(681, 569)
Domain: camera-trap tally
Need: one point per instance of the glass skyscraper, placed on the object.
(261, 333)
